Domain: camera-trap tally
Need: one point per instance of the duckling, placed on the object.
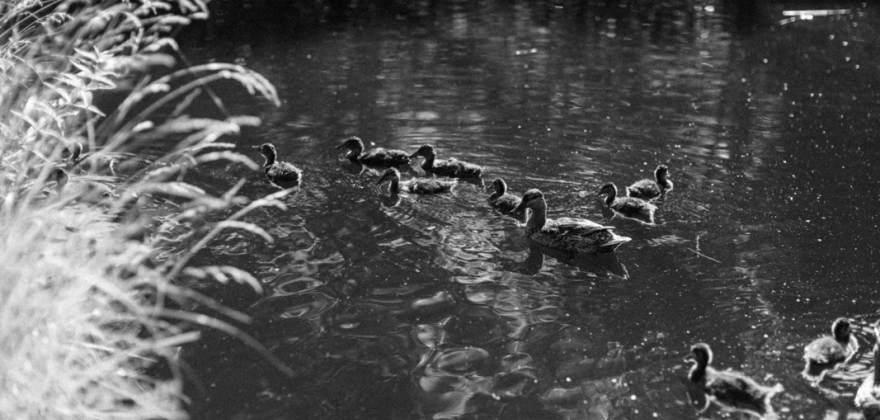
(648, 189)
(628, 206)
(828, 351)
(277, 171)
(728, 387)
(376, 157)
(451, 167)
(567, 234)
(868, 395)
(416, 185)
(500, 199)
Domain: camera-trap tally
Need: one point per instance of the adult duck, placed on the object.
(830, 350)
(728, 387)
(628, 206)
(501, 200)
(276, 171)
(649, 189)
(376, 157)
(567, 234)
(451, 167)
(416, 185)
(868, 394)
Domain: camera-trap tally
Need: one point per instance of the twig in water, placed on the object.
(704, 255)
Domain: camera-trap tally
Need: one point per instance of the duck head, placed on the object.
(499, 186)
(426, 151)
(661, 173)
(530, 199)
(701, 356)
(390, 174)
(840, 330)
(609, 189)
(352, 143)
(268, 151)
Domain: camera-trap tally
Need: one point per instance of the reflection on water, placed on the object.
(415, 306)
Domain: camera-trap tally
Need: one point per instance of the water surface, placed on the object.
(438, 307)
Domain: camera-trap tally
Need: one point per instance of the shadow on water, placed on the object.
(414, 306)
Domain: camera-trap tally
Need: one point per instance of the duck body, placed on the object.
(628, 206)
(833, 349)
(580, 236)
(375, 157)
(277, 171)
(417, 185)
(728, 387)
(648, 189)
(501, 200)
(868, 394)
(451, 167)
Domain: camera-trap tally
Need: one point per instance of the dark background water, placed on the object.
(438, 307)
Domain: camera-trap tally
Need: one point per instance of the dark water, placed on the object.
(438, 307)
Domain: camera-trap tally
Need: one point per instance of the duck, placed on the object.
(649, 189)
(501, 200)
(728, 387)
(451, 167)
(833, 349)
(579, 236)
(416, 185)
(277, 171)
(627, 206)
(376, 157)
(868, 394)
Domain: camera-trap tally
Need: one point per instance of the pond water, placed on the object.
(438, 307)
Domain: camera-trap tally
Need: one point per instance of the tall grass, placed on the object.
(86, 328)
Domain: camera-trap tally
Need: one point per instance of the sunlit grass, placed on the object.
(89, 316)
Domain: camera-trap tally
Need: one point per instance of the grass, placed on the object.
(89, 327)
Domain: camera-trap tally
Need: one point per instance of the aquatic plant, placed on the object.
(91, 317)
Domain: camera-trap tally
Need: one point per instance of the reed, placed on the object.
(90, 320)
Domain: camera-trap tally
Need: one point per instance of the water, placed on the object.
(439, 307)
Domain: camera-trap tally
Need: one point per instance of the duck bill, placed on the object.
(414, 155)
(689, 359)
(340, 146)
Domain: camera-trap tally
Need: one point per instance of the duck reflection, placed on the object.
(597, 263)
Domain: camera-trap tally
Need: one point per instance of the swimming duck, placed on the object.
(868, 395)
(451, 167)
(567, 234)
(649, 189)
(376, 157)
(500, 199)
(832, 349)
(728, 387)
(416, 185)
(277, 171)
(628, 206)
